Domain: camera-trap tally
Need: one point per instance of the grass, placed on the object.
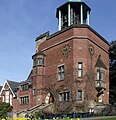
(107, 119)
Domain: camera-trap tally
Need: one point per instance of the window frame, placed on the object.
(64, 96)
(24, 87)
(3, 98)
(24, 100)
(11, 97)
(80, 96)
(61, 72)
(100, 74)
(7, 96)
(80, 70)
(39, 61)
(34, 91)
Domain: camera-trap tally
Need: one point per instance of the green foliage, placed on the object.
(112, 72)
(39, 113)
(4, 109)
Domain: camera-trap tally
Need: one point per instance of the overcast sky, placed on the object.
(21, 21)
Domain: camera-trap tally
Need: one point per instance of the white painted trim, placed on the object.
(81, 13)
(69, 15)
(3, 88)
(6, 82)
(59, 21)
(88, 17)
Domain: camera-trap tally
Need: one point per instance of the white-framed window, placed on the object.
(64, 96)
(3, 100)
(61, 72)
(80, 69)
(80, 95)
(11, 99)
(7, 96)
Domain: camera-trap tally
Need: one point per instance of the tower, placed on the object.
(73, 12)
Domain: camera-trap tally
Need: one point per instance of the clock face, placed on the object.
(91, 49)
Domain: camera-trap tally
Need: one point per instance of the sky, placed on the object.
(21, 21)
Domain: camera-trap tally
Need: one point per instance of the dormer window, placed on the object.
(24, 87)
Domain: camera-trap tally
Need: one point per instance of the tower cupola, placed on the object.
(73, 12)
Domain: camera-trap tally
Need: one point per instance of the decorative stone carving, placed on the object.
(91, 50)
(66, 50)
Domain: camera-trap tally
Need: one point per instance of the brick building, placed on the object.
(70, 67)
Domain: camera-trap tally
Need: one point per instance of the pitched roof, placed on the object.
(28, 80)
(14, 85)
(100, 63)
(0, 88)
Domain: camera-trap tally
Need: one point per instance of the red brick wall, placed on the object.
(78, 39)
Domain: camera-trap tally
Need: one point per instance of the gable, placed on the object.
(100, 63)
(9, 85)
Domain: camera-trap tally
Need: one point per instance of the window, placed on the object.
(34, 91)
(79, 95)
(64, 96)
(80, 69)
(100, 75)
(7, 96)
(10, 99)
(39, 61)
(25, 100)
(24, 87)
(61, 72)
(2, 98)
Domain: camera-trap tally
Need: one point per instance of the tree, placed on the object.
(70, 85)
(4, 109)
(112, 53)
(54, 89)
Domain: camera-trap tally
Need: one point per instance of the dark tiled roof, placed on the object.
(0, 88)
(14, 85)
(38, 53)
(26, 81)
(100, 63)
(30, 75)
